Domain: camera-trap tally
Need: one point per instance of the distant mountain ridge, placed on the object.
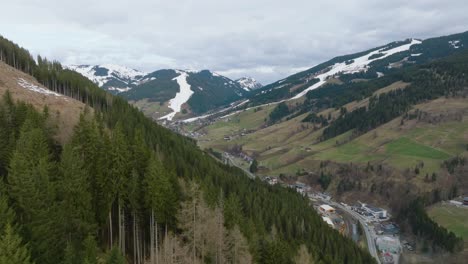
(153, 92)
(366, 65)
(169, 92)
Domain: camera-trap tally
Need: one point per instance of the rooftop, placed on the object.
(326, 207)
(374, 209)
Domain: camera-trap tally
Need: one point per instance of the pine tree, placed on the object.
(236, 247)
(7, 215)
(161, 199)
(115, 257)
(75, 199)
(160, 192)
(303, 256)
(32, 192)
(254, 166)
(119, 172)
(89, 250)
(12, 249)
(70, 256)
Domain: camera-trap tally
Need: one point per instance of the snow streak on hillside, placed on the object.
(32, 87)
(358, 64)
(181, 97)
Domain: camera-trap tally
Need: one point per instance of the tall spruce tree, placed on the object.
(73, 191)
(12, 249)
(32, 192)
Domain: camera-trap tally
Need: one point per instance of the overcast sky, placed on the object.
(265, 39)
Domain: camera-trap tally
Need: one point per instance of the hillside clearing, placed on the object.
(451, 217)
(63, 110)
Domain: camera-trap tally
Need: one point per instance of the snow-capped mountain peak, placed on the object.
(249, 83)
(110, 76)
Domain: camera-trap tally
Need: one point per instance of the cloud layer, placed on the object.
(265, 39)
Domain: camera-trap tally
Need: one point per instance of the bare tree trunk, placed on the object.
(138, 242)
(120, 225)
(110, 227)
(143, 248)
(134, 237)
(194, 229)
(172, 250)
(165, 244)
(157, 245)
(203, 250)
(152, 237)
(123, 231)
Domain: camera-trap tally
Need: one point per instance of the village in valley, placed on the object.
(368, 225)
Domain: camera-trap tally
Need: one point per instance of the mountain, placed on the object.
(342, 99)
(167, 93)
(120, 187)
(249, 83)
(112, 78)
(366, 65)
(382, 129)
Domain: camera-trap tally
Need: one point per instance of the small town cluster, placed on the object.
(377, 229)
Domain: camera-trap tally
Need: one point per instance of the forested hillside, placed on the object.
(124, 189)
(442, 78)
(366, 65)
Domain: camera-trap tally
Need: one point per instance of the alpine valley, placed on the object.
(359, 159)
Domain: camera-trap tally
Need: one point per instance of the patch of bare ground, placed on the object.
(64, 111)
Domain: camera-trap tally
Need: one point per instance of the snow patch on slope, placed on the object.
(358, 64)
(32, 87)
(120, 90)
(455, 43)
(181, 97)
(232, 106)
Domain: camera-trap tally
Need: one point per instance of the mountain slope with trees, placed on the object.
(399, 141)
(123, 184)
(425, 51)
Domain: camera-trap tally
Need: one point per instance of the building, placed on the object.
(465, 200)
(301, 188)
(378, 213)
(326, 209)
(457, 203)
(388, 244)
(271, 180)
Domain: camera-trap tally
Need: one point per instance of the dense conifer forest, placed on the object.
(123, 189)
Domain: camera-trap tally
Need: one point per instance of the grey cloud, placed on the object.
(264, 39)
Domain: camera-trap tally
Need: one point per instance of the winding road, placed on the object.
(233, 163)
(370, 234)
